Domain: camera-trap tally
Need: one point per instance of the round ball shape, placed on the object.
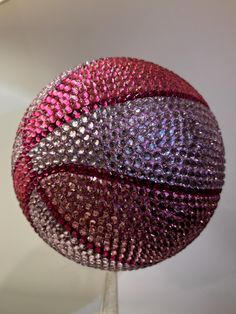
(118, 164)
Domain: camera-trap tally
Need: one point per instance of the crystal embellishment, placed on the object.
(118, 164)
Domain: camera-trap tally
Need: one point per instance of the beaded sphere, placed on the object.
(118, 164)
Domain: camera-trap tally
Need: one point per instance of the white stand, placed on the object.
(110, 295)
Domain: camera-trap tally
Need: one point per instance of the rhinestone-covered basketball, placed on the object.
(118, 164)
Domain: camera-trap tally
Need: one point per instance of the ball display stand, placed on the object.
(109, 304)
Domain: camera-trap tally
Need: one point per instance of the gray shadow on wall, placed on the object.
(212, 260)
(45, 283)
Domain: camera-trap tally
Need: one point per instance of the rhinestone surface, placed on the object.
(118, 164)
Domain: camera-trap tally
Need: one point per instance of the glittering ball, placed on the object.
(118, 164)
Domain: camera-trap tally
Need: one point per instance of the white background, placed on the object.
(38, 40)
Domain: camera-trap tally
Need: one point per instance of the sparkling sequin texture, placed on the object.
(118, 164)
